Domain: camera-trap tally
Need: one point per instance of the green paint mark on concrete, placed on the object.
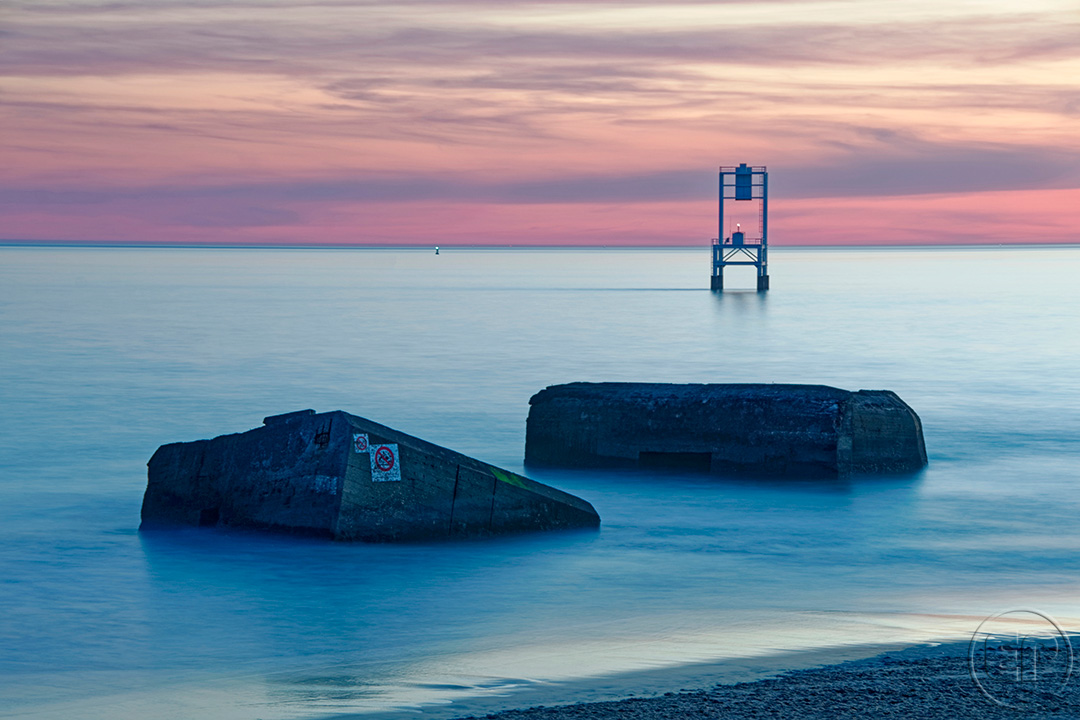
(508, 478)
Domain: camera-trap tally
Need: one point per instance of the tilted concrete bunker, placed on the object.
(344, 477)
(779, 430)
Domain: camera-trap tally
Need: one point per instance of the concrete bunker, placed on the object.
(345, 477)
(776, 430)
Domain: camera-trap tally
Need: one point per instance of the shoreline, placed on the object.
(932, 681)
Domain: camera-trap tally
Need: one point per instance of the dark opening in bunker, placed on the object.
(676, 460)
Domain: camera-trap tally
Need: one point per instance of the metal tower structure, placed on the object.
(739, 184)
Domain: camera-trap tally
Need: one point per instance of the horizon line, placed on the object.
(113, 244)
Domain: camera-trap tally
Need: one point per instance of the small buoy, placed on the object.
(436, 249)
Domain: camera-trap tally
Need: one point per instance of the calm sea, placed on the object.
(107, 353)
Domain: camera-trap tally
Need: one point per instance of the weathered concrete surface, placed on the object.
(307, 473)
(783, 430)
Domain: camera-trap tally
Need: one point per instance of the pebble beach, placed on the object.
(925, 682)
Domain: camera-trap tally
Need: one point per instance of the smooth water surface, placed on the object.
(107, 353)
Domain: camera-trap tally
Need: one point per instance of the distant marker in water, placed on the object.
(436, 249)
(749, 183)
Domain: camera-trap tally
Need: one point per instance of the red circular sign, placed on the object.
(361, 443)
(384, 458)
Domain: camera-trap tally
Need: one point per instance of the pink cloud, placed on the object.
(1051, 216)
(532, 123)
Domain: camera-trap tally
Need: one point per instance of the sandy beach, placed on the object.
(928, 682)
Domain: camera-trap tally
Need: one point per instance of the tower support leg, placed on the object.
(762, 282)
(718, 281)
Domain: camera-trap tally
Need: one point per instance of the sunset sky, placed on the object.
(518, 122)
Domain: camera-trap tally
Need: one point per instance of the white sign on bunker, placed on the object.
(385, 463)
